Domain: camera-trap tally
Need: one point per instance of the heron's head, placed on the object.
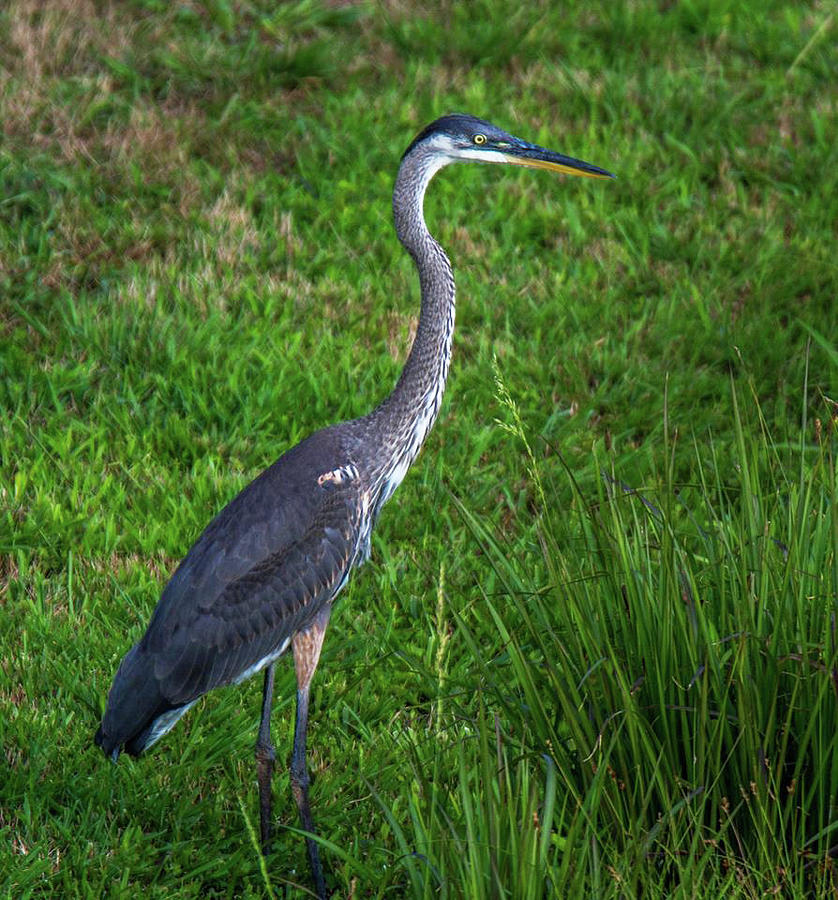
(461, 137)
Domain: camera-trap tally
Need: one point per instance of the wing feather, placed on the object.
(261, 570)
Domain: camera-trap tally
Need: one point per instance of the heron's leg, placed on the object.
(265, 757)
(307, 645)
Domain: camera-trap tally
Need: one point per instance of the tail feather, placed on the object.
(135, 708)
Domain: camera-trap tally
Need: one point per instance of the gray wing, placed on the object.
(261, 571)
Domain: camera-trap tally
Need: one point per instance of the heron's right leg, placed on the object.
(307, 645)
(265, 757)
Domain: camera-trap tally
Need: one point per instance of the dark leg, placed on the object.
(307, 645)
(265, 757)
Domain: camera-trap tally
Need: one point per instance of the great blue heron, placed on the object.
(264, 574)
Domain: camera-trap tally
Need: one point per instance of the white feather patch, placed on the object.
(265, 661)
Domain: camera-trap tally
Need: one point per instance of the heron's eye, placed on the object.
(479, 139)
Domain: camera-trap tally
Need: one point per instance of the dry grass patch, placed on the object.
(50, 48)
(232, 227)
(156, 134)
(62, 38)
(45, 45)
(401, 332)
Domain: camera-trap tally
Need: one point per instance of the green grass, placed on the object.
(595, 652)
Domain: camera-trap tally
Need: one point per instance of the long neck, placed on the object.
(402, 422)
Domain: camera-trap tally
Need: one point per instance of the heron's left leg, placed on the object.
(265, 757)
(307, 645)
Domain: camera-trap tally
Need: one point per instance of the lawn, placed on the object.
(595, 650)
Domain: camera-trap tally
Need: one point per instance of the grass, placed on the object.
(606, 665)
